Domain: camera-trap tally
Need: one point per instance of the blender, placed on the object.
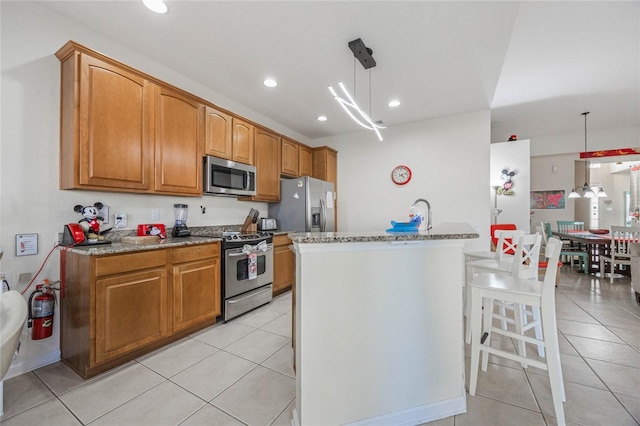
(180, 227)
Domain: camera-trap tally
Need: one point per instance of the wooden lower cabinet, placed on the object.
(131, 312)
(196, 286)
(117, 307)
(283, 264)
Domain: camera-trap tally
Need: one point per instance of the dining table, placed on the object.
(595, 244)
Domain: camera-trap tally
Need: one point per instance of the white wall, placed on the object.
(449, 158)
(514, 157)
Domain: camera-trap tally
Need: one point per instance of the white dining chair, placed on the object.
(487, 287)
(620, 248)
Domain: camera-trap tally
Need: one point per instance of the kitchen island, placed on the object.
(378, 326)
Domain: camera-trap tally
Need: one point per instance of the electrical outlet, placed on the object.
(120, 220)
(104, 214)
(155, 214)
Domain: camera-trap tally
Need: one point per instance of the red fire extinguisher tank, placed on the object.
(41, 305)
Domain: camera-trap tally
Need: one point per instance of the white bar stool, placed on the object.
(487, 287)
(523, 264)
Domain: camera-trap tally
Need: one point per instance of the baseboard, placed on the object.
(412, 416)
(19, 368)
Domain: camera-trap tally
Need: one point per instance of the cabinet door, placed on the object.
(114, 128)
(130, 312)
(289, 158)
(267, 152)
(283, 264)
(217, 139)
(325, 167)
(243, 142)
(179, 126)
(305, 161)
(325, 164)
(196, 292)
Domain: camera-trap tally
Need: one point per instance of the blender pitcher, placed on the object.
(180, 227)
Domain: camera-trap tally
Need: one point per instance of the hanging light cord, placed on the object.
(586, 161)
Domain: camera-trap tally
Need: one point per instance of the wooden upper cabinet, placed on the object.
(325, 167)
(217, 139)
(305, 161)
(289, 158)
(267, 156)
(243, 141)
(325, 164)
(179, 129)
(228, 137)
(105, 125)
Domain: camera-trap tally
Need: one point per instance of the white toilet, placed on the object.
(13, 314)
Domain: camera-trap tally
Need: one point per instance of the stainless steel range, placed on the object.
(247, 272)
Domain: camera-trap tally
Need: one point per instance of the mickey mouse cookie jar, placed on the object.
(90, 221)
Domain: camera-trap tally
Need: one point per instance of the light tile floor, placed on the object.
(240, 373)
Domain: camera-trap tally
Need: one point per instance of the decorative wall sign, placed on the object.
(610, 153)
(547, 200)
(26, 244)
(506, 188)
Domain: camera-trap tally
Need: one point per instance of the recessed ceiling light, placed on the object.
(156, 6)
(269, 82)
(394, 103)
(322, 118)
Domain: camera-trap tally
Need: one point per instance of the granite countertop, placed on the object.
(447, 231)
(118, 247)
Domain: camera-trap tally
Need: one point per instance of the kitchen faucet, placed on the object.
(428, 210)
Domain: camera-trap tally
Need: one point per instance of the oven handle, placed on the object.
(248, 296)
(240, 253)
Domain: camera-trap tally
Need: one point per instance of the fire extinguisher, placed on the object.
(41, 304)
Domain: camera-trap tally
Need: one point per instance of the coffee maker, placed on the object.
(180, 227)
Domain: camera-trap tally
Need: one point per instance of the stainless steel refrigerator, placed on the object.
(306, 205)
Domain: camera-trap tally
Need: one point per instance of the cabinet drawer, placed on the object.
(197, 252)
(118, 263)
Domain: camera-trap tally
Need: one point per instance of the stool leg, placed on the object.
(487, 320)
(503, 313)
(517, 316)
(553, 361)
(467, 336)
(538, 329)
(476, 315)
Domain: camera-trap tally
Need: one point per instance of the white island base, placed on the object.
(378, 331)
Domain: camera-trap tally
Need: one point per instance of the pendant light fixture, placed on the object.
(587, 190)
(364, 55)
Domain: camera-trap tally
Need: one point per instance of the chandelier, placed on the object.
(587, 190)
(357, 114)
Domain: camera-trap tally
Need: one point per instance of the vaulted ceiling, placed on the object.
(536, 65)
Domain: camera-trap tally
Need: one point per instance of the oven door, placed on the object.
(236, 279)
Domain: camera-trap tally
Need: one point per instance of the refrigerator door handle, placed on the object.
(323, 216)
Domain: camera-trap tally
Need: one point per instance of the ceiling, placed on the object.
(537, 65)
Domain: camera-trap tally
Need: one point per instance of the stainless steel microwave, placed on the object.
(226, 177)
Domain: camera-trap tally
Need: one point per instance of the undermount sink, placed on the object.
(13, 314)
